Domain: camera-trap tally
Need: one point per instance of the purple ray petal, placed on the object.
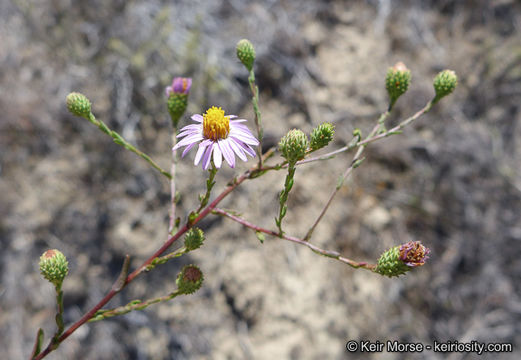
(199, 154)
(206, 142)
(246, 148)
(207, 156)
(237, 149)
(188, 132)
(245, 137)
(188, 140)
(240, 126)
(190, 128)
(227, 153)
(188, 148)
(217, 156)
(249, 150)
(244, 131)
(197, 117)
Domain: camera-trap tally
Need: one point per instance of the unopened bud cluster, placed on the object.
(189, 279)
(321, 136)
(246, 53)
(78, 104)
(397, 81)
(293, 145)
(54, 266)
(194, 238)
(445, 83)
(400, 259)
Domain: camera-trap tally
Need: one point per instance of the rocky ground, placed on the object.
(451, 180)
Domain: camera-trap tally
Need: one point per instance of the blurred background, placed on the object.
(452, 180)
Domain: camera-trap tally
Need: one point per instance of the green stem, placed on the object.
(163, 259)
(327, 253)
(232, 185)
(118, 139)
(283, 198)
(357, 160)
(131, 306)
(172, 223)
(209, 186)
(59, 315)
(258, 124)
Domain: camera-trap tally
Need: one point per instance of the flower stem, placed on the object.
(88, 315)
(209, 186)
(378, 132)
(283, 197)
(59, 313)
(255, 102)
(118, 139)
(131, 306)
(354, 164)
(172, 222)
(163, 259)
(394, 131)
(314, 248)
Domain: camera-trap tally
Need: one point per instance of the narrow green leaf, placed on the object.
(37, 348)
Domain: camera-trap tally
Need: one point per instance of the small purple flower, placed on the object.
(218, 134)
(180, 85)
(414, 253)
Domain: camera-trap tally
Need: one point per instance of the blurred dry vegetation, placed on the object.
(452, 180)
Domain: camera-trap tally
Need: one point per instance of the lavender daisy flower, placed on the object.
(219, 135)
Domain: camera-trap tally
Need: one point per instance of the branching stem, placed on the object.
(314, 248)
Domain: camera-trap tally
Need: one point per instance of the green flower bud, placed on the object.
(189, 279)
(54, 266)
(397, 82)
(246, 53)
(322, 135)
(78, 104)
(400, 259)
(445, 83)
(293, 145)
(194, 238)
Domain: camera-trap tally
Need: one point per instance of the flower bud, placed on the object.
(178, 97)
(189, 279)
(246, 53)
(194, 238)
(293, 145)
(322, 135)
(445, 83)
(54, 266)
(397, 81)
(78, 104)
(400, 259)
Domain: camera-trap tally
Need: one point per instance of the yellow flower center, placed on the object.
(215, 125)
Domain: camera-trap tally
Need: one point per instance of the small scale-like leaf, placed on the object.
(260, 236)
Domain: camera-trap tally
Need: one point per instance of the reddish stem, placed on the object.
(316, 249)
(53, 345)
